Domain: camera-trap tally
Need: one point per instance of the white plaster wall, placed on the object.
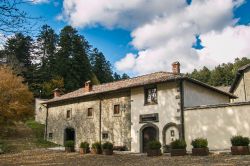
(218, 125)
(166, 108)
(40, 114)
(240, 92)
(195, 95)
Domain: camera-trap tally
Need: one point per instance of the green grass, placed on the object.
(4, 146)
(38, 130)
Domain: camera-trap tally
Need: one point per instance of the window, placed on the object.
(90, 112)
(149, 118)
(68, 115)
(172, 133)
(116, 109)
(151, 95)
(105, 135)
(50, 135)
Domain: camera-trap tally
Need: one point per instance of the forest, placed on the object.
(49, 60)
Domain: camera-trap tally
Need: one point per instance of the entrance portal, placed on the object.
(148, 134)
(69, 134)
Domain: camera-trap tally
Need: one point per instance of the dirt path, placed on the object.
(47, 157)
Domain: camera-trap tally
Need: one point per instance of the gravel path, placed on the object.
(48, 157)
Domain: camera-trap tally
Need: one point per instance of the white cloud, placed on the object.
(39, 1)
(117, 13)
(164, 31)
(226, 45)
(167, 39)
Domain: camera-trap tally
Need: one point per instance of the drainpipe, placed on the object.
(182, 108)
(46, 123)
(100, 119)
(244, 87)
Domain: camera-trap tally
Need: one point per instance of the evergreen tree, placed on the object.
(101, 67)
(18, 51)
(125, 76)
(72, 61)
(117, 77)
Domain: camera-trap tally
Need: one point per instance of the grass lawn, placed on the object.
(23, 136)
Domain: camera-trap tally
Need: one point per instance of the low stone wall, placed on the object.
(217, 123)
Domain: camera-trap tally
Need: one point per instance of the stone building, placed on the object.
(241, 84)
(130, 112)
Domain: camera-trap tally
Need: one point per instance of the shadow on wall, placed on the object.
(218, 125)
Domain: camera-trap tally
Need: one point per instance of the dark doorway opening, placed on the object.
(69, 134)
(148, 134)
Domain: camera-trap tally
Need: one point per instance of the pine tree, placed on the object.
(18, 52)
(72, 61)
(101, 67)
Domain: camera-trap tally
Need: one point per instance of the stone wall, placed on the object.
(88, 128)
(217, 123)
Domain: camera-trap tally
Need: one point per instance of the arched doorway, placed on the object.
(148, 134)
(69, 134)
(170, 133)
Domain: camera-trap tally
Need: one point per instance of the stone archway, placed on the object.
(69, 134)
(170, 132)
(148, 132)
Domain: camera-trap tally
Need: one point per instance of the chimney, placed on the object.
(176, 68)
(88, 86)
(57, 93)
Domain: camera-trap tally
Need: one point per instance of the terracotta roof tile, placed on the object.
(118, 85)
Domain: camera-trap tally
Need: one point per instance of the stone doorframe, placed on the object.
(64, 134)
(141, 136)
(171, 124)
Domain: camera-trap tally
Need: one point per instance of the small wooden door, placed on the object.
(148, 134)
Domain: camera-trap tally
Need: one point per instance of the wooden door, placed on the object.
(148, 134)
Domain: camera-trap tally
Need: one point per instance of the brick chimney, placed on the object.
(176, 68)
(88, 86)
(57, 93)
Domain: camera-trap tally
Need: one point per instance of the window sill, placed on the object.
(145, 104)
(117, 115)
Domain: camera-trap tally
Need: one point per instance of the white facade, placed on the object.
(195, 95)
(167, 109)
(218, 124)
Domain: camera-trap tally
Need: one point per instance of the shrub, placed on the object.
(154, 144)
(178, 144)
(239, 141)
(96, 145)
(69, 144)
(84, 145)
(199, 143)
(107, 145)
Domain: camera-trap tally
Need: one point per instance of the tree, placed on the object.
(125, 76)
(101, 67)
(13, 19)
(116, 77)
(48, 87)
(221, 75)
(17, 51)
(72, 61)
(15, 98)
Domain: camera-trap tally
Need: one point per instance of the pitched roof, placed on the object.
(223, 88)
(147, 79)
(238, 77)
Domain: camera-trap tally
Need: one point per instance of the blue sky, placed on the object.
(140, 36)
